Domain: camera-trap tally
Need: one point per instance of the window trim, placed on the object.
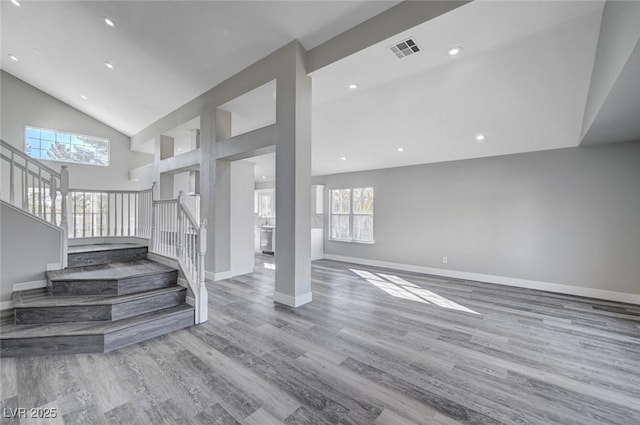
(106, 139)
(351, 215)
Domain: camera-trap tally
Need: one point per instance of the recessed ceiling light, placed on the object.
(109, 65)
(454, 50)
(344, 158)
(13, 58)
(353, 86)
(400, 149)
(16, 2)
(83, 97)
(480, 137)
(109, 22)
(264, 177)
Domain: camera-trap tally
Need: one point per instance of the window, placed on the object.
(66, 147)
(351, 215)
(265, 205)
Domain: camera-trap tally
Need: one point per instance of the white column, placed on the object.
(293, 180)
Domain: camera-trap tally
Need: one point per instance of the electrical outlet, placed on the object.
(445, 260)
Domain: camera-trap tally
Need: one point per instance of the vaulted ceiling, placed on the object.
(524, 78)
(164, 53)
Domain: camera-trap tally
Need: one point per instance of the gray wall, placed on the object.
(568, 216)
(28, 245)
(241, 209)
(23, 104)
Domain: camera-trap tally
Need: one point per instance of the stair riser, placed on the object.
(41, 346)
(123, 286)
(88, 313)
(146, 283)
(147, 305)
(135, 334)
(46, 346)
(80, 259)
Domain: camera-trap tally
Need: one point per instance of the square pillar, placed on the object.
(293, 182)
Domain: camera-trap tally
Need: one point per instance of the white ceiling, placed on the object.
(619, 117)
(522, 77)
(254, 109)
(165, 53)
(265, 167)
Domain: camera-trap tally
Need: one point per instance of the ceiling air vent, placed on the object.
(405, 48)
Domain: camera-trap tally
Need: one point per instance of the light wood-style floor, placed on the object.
(375, 347)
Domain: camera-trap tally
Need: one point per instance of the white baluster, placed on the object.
(180, 225)
(12, 190)
(53, 193)
(202, 299)
(64, 223)
(153, 236)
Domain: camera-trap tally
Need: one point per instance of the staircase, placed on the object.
(110, 296)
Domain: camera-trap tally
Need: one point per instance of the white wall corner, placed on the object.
(292, 301)
(499, 280)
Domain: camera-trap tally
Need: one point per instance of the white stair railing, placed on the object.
(106, 213)
(34, 187)
(177, 234)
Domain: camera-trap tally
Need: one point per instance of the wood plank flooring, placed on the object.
(374, 347)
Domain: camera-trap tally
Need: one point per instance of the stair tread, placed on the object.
(86, 328)
(41, 297)
(103, 247)
(111, 271)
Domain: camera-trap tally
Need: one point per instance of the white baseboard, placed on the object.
(499, 280)
(54, 266)
(215, 276)
(167, 261)
(29, 285)
(183, 282)
(191, 301)
(6, 305)
(108, 239)
(292, 301)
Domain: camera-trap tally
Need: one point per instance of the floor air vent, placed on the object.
(405, 48)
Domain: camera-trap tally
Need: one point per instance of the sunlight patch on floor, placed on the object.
(401, 288)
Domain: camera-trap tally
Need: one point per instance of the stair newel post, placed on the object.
(64, 218)
(179, 230)
(203, 299)
(154, 237)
